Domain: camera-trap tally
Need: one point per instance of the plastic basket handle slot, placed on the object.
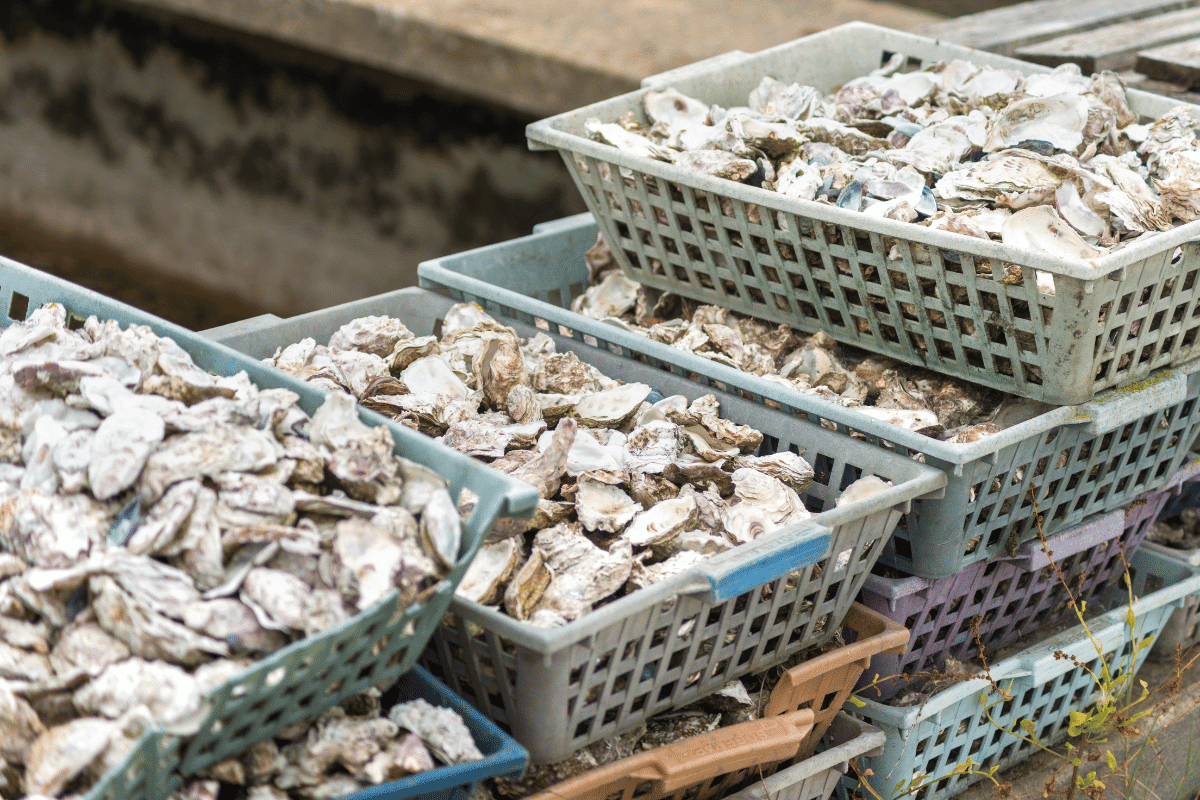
(1119, 407)
(691, 761)
(876, 634)
(717, 62)
(750, 565)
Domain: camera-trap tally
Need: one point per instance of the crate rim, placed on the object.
(438, 273)
(509, 759)
(545, 134)
(1107, 628)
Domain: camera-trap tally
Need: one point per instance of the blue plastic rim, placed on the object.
(503, 756)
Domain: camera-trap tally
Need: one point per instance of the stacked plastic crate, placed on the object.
(660, 648)
(1076, 486)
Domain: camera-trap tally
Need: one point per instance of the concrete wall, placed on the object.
(242, 166)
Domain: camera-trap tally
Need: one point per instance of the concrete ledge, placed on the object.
(534, 56)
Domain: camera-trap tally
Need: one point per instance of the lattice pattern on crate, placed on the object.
(979, 318)
(146, 773)
(661, 657)
(941, 741)
(295, 684)
(1188, 623)
(1072, 472)
(1001, 601)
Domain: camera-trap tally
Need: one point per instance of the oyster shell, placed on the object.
(611, 408)
(494, 564)
(662, 522)
(440, 728)
(602, 506)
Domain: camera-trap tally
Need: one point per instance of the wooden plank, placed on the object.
(1166, 88)
(1116, 46)
(1003, 30)
(1179, 63)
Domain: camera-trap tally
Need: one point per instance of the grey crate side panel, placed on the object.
(1071, 473)
(660, 658)
(965, 315)
(935, 745)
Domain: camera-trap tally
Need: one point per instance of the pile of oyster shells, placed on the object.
(899, 394)
(161, 528)
(633, 487)
(348, 748)
(1055, 163)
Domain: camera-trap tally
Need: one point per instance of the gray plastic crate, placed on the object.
(815, 777)
(379, 644)
(1078, 461)
(662, 647)
(933, 737)
(942, 303)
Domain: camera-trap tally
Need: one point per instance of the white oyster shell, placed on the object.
(1058, 119)
(1040, 229)
(603, 507)
(609, 408)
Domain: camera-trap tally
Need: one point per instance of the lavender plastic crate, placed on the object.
(933, 737)
(928, 297)
(1075, 461)
(1006, 598)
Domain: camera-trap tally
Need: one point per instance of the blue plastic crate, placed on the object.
(931, 738)
(502, 756)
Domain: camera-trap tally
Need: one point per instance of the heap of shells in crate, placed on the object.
(633, 487)
(161, 528)
(1056, 163)
(350, 747)
(899, 394)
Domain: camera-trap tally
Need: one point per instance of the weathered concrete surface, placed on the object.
(536, 56)
(293, 185)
